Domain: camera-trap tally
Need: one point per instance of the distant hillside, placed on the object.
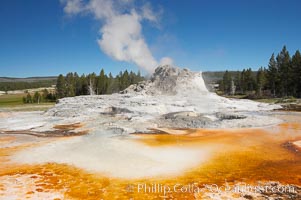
(29, 79)
(9, 83)
(212, 77)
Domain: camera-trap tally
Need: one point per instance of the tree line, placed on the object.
(39, 97)
(8, 86)
(74, 85)
(282, 78)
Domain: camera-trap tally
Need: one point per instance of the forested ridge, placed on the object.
(74, 85)
(281, 78)
(21, 85)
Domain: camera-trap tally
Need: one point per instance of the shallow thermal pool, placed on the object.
(105, 165)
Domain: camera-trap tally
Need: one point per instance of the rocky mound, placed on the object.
(173, 97)
(168, 80)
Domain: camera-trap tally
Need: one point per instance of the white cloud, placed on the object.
(72, 6)
(121, 33)
(101, 9)
(148, 13)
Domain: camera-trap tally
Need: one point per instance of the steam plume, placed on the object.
(121, 33)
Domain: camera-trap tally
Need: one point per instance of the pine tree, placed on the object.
(125, 80)
(116, 84)
(227, 82)
(61, 86)
(24, 99)
(110, 84)
(284, 66)
(84, 85)
(237, 82)
(140, 78)
(132, 78)
(261, 80)
(250, 82)
(70, 85)
(78, 84)
(273, 75)
(36, 97)
(45, 95)
(28, 98)
(243, 84)
(296, 68)
(101, 83)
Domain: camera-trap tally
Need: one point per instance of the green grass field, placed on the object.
(14, 102)
(11, 100)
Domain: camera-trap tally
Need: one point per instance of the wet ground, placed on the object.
(257, 156)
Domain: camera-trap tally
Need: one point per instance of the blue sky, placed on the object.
(37, 38)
